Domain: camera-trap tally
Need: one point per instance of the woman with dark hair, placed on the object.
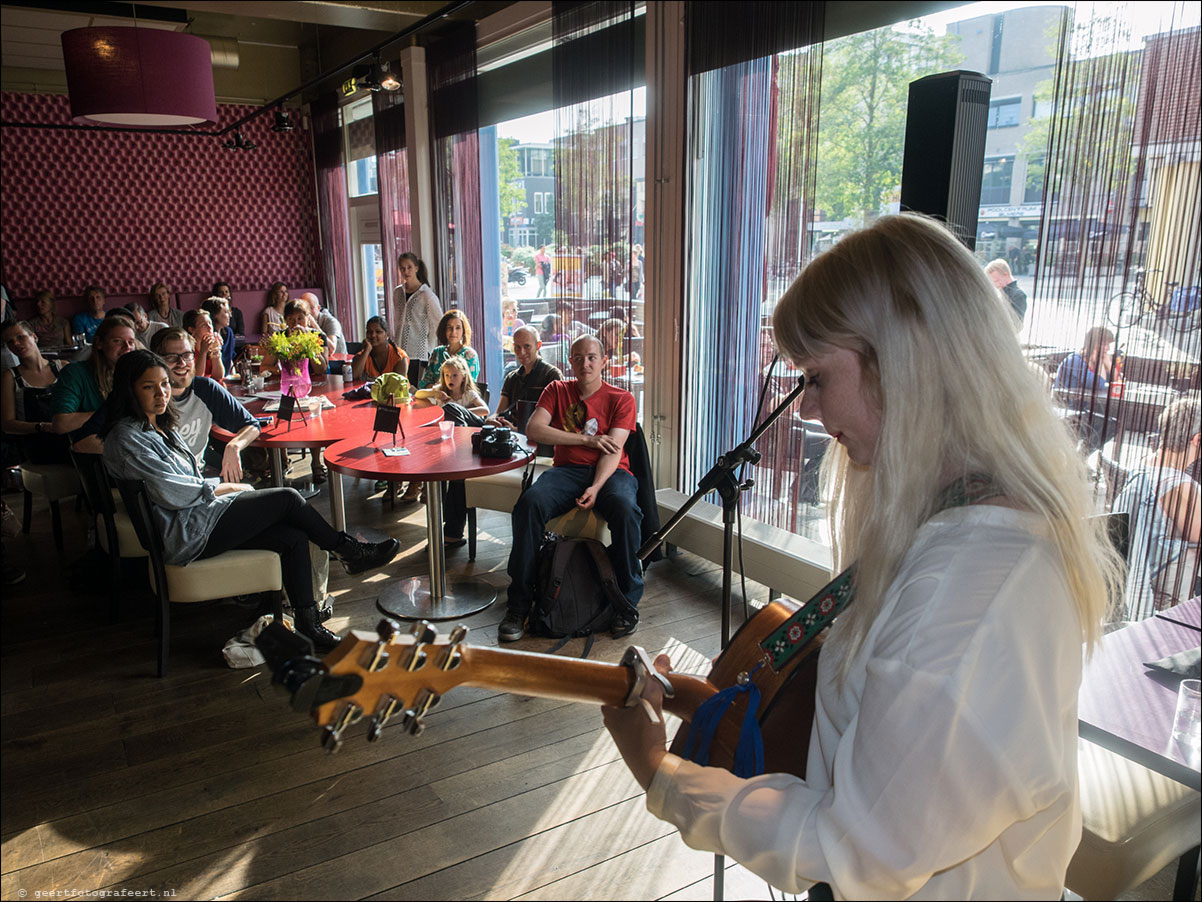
(201, 518)
(273, 313)
(943, 752)
(379, 354)
(454, 340)
(161, 310)
(221, 289)
(416, 309)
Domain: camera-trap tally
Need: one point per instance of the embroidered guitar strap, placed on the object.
(817, 614)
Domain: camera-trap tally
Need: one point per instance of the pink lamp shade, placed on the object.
(142, 77)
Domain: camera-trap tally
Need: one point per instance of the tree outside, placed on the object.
(861, 132)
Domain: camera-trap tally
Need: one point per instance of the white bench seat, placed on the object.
(783, 561)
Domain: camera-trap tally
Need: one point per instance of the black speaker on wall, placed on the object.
(944, 156)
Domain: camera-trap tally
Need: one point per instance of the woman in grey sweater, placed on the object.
(201, 518)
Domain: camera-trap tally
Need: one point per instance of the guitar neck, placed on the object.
(439, 668)
(572, 679)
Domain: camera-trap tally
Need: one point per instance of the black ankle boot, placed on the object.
(308, 623)
(359, 556)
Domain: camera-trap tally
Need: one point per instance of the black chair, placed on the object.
(115, 533)
(417, 368)
(236, 572)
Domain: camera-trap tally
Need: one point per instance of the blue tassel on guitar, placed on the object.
(749, 755)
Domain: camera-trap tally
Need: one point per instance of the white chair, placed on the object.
(237, 572)
(1134, 823)
(54, 482)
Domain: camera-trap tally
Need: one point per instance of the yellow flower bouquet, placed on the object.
(294, 348)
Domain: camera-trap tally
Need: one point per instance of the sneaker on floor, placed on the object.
(512, 628)
(624, 625)
(359, 556)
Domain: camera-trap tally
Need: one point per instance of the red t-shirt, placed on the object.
(605, 409)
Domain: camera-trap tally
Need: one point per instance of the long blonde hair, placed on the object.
(956, 397)
(460, 365)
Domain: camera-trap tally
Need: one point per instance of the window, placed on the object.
(538, 202)
(360, 131)
(1003, 113)
(995, 181)
(1041, 109)
(1033, 188)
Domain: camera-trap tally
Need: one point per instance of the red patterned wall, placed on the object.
(127, 210)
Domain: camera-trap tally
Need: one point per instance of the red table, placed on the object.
(433, 460)
(1125, 709)
(315, 432)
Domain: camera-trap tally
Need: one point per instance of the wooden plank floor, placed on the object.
(207, 784)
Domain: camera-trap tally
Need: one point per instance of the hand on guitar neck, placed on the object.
(642, 741)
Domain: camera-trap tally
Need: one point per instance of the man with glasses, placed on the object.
(201, 402)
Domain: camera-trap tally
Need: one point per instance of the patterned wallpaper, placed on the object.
(127, 210)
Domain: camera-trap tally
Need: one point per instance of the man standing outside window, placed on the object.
(588, 422)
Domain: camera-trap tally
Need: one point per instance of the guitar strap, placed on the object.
(791, 637)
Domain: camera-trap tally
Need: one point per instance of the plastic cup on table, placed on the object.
(1187, 722)
(447, 428)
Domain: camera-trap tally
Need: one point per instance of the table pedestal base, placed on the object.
(411, 599)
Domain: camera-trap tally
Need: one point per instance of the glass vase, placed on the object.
(294, 376)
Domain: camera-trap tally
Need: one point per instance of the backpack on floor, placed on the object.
(575, 591)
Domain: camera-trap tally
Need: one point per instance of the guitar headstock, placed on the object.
(381, 676)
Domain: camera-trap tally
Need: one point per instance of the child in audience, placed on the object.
(455, 386)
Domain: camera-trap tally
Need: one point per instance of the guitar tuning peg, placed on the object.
(458, 634)
(331, 741)
(412, 723)
(388, 706)
(387, 628)
(424, 631)
(331, 735)
(451, 654)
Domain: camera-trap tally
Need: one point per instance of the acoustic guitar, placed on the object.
(399, 677)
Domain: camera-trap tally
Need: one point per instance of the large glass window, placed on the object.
(1003, 113)
(359, 129)
(996, 180)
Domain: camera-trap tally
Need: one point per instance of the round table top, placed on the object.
(346, 419)
(429, 458)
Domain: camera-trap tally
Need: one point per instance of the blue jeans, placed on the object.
(554, 493)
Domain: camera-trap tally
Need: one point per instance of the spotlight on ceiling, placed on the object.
(375, 77)
(238, 142)
(283, 121)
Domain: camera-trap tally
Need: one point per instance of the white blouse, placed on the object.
(946, 767)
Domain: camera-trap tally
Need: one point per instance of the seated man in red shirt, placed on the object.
(587, 421)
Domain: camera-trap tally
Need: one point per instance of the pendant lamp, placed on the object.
(139, 77)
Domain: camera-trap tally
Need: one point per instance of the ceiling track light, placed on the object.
(238, 142)
(376, 76)
(283, 121)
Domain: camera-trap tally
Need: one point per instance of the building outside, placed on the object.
(1017, 49)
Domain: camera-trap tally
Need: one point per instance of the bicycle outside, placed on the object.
(1128, 308)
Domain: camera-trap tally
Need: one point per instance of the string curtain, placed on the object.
(332, 207)
(754, 78)
(1118, 254)
(597, 271)
(392, 176)
(454, 120)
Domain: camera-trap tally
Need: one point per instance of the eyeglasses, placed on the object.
(173, 359)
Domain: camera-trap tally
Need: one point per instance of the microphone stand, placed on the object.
(721, 478)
